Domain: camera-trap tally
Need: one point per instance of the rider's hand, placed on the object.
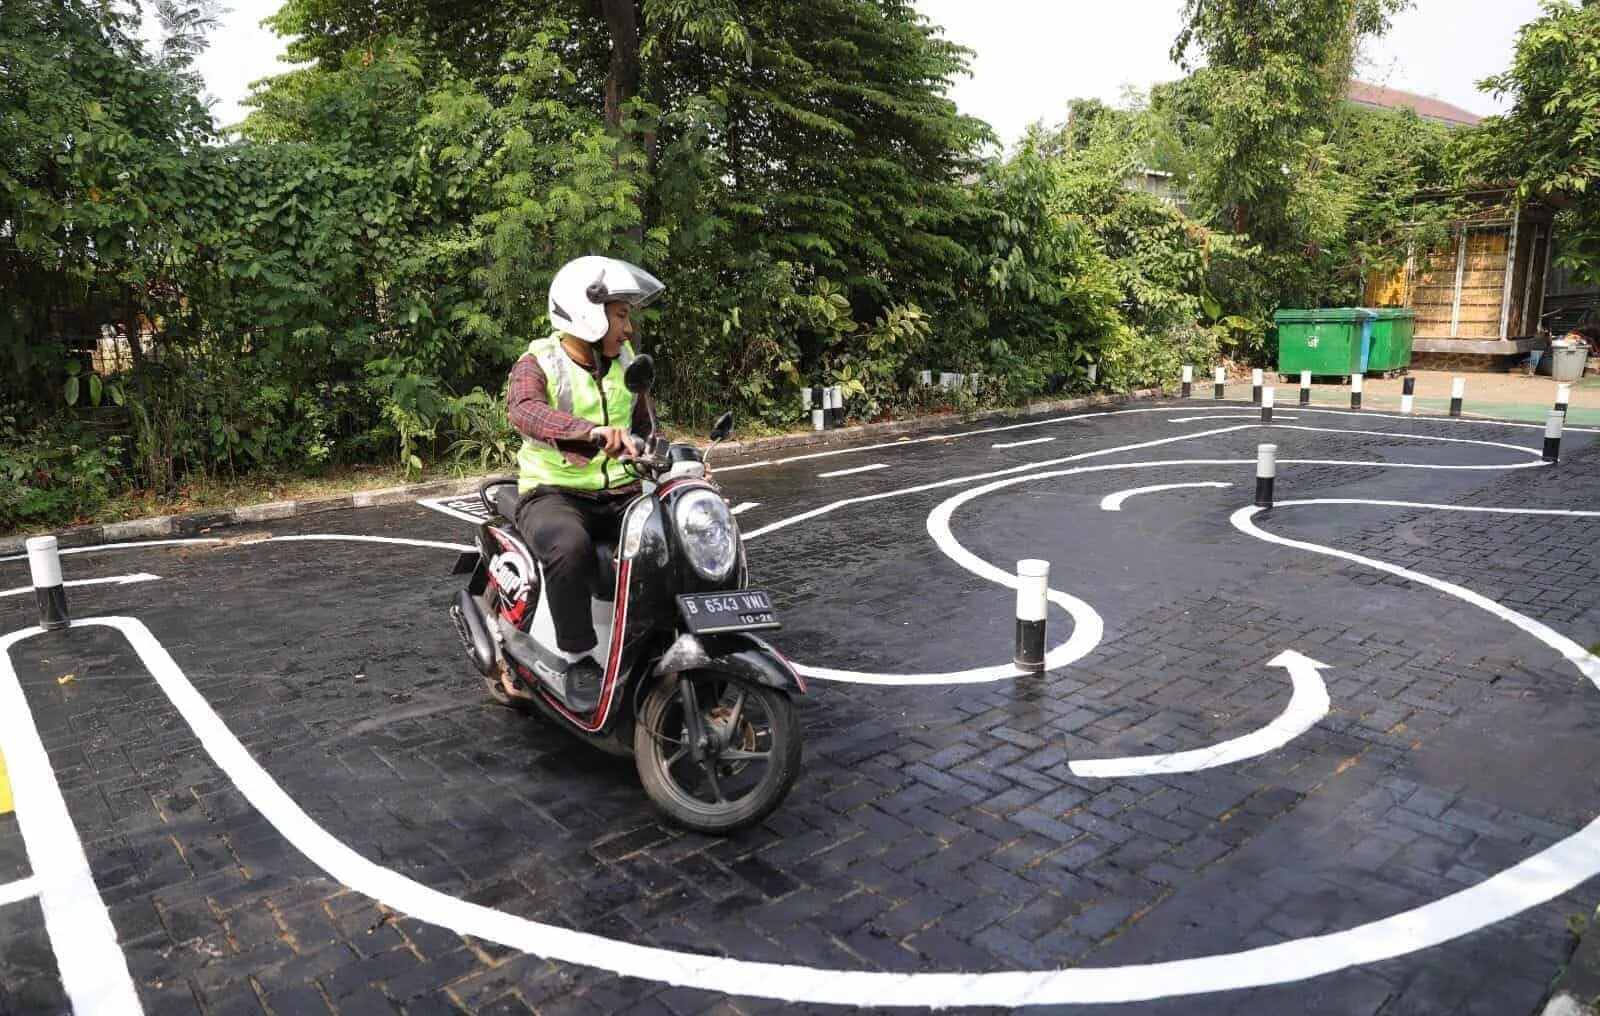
(615, 441)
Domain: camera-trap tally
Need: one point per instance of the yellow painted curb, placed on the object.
(5, 789)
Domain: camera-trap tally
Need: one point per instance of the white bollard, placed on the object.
(1563, 396)
(1458, 392)
(1033, 602)
(44, 565)
(1188, 381)
(1266, 473)
(1408, 396)
(1357, 383)
(1220, 380)
(1552, 436)
(1257, 379)
(1268, 397)
(1305, 388)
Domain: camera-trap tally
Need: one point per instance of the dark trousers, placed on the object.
(562, 528)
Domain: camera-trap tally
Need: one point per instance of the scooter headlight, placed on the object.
(707, 533)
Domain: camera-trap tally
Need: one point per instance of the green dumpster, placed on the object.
(1391, 339)
(1332, 342)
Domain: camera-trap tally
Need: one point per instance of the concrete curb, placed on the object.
(195, 523)
(1577, 990)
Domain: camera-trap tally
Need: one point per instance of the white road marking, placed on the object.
(1114, 502)
(1229, 416)
(744, 506)
(1538, 879)
(110, 580)
(93, 969)
(21, 889)
(1024, 444)
(439, 505)
(138, 545)
(1307, 706)
(851, 472)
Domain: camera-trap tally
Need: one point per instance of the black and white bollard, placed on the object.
(1305, 388)
(1033, 601)
(835, 405)
(817, 399)
(1458, 394)
(1256, 381)
(1357, 382)
(1266, 472)
(1563, 396)
(1188, 381)
(1408, 396)
(1552, 436)
(44, 564)
(1268, 397)
(1220, 381)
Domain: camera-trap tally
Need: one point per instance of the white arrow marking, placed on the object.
(1307, 706)
(110, 580)
(21, 889)
(1114, 502)
(851, 472)
(1024, 444)
(742, 507)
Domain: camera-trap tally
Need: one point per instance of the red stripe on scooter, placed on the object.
(620, 619)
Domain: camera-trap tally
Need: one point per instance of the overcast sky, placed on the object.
(1031, 56)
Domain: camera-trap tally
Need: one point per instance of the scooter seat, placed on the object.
(505, 498)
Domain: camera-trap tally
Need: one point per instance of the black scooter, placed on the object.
(701, 704)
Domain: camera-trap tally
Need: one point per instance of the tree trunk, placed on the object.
(622, 82)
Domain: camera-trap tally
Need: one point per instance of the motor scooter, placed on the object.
(700, 701)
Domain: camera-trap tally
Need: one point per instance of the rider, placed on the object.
(568, 400)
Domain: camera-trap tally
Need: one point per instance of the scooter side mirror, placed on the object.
(722, 428)
(640, 375)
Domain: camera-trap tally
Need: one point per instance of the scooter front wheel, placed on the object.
(714, 754)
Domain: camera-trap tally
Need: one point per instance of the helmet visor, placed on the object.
(632, 284)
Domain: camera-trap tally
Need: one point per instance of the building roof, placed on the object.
(1378, 97)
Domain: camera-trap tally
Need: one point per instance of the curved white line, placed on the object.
(1114, 502)
(1538, 879)
(1227, 416)
(109, 580)
(1307, 706)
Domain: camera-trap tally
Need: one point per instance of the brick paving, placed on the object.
(933, 828)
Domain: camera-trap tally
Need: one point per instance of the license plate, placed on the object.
(737, 610)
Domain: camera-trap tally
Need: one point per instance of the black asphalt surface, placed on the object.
(934, 828)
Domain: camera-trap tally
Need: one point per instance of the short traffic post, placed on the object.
(1552, 436)
(1220, 381)
(1305, 388)
(1268, 397)
(1563, 396)
(836, 406)
(817, 399)
(1033, 600)
(1256, 381)
(1458, 394)
(1408, 396)
(1266, 472)
(1357, 382)
(44, 566)
(1188, 382)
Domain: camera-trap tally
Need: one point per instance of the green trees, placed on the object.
(1549, 142)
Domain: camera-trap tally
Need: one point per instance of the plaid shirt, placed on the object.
(528, 406)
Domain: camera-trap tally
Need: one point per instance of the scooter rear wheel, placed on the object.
(749, 758)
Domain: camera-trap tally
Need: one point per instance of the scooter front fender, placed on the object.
(737, 654)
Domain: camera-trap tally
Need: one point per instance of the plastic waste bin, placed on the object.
(1392, 332)
(1567, 362)
(1333, 342)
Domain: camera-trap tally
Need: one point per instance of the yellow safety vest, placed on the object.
(573, 389)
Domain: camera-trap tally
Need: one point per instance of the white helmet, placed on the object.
(582, 288)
